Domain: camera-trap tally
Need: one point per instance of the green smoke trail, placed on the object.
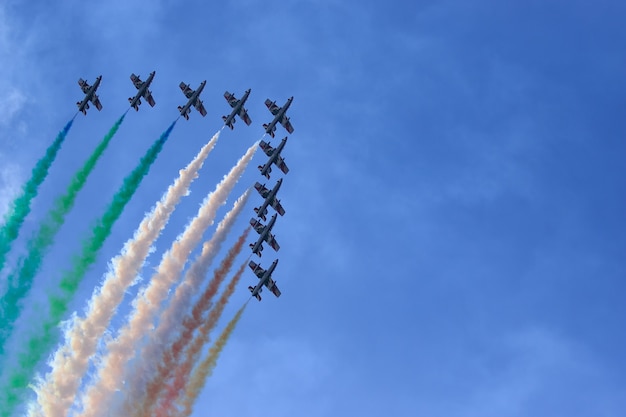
(21, 283)
(46, 337)
(20, 207)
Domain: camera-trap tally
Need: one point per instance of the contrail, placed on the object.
(21, 282)
(45, 336)
(144, 403)
(205, 369)
(122, 349)
(57, 392)
(20, 207)
(150, 364)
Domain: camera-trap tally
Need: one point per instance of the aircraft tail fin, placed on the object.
(185, 115)
(136, 105)
(229, 124)
(269, 131)
(257, 295)
(261, 214)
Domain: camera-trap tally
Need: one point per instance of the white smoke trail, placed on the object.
(56, 393)
(96, 399)
(170, 320)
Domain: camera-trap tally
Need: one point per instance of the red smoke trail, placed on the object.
(205, 369)
(183, 370)
(119, 351)
(190, 323)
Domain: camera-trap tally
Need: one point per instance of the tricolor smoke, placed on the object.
(57, 393)
(164, 364)
(45, 336)
(169, 322)
(122, 349)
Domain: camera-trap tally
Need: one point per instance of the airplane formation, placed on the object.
(274, 157)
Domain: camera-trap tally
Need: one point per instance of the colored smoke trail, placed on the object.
(20, 207)
(122, 349)
(151, 356)
(45, 336)
(57, 393)
(166, 363)
(206, 367)
(21, 283)
(183, 370)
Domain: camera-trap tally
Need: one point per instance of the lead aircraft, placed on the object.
(238, 109)
(194, 100)
(90, 95)
(142, 91)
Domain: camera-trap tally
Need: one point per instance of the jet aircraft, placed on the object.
(279, 116)
(143, 91)
(238, 108)
(194, 100)
(270, 199)
(275, 158)
(265, 278)
(90, 95)
(264, 235)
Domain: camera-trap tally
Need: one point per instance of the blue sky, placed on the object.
(454, 238)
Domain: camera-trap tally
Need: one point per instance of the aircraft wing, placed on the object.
(136, 81)
(231, 99)
(257, 226)
(148, 96)
(280, 163)
(264, 191)
(188, 91)
(200, 107)
(244, 116)
(83, 85)
(271, 285)
(273, 108)
(286, 124)
(272, 242)
(256, 268)
(278, 207)
(267, 148)
(96, 101)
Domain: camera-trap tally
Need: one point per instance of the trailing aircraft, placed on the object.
(270, 199)
(275, 158)
(265, 278)
(264, 235)
(279, 116)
